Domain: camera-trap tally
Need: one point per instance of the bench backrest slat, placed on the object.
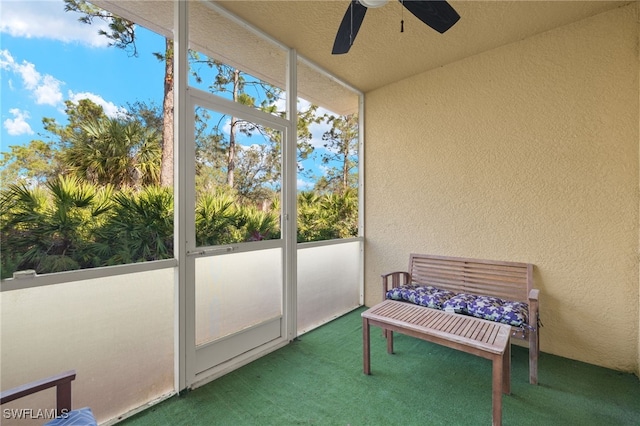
(507, 280)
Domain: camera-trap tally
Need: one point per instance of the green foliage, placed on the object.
(308, 212)
(33, 163)
(148, 115)
(221, 219)
(341, 142)
(124, 151)
(77, 114)
(140, 226)
(73, 225)
(328, 216)
(259, 225)
(50, 230)
(340, 213)
(114, 151)
(217, 218)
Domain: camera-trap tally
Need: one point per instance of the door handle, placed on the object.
(203, 252)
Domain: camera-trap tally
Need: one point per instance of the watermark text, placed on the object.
(31, 413)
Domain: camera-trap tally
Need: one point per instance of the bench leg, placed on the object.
(496, 390)
(534, 351)
(366, 348)
(506, 372)
(389, 341)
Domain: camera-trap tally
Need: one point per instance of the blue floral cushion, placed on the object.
(504, 311)
(415, 292)
(428, 296)
(433, 297)
(485, 307)
(460, 303)
(402, 292)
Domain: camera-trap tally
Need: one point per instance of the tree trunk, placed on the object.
(231, 161)
(166, 167)
(345, 170)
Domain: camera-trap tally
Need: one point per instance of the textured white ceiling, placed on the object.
(382, 54)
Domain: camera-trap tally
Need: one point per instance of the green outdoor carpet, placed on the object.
(318, 380)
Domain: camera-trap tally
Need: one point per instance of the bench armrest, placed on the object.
(534, 302)
(397, 279)
(61, 381)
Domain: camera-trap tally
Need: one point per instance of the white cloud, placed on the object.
(304, 185)
(48, 93)
(47, 19)
(281, 104)
(18, 125)
(7, 62)
(44, 88)
(27, 70)
(324, 170)
(109, 108)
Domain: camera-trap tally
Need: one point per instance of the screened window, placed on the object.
(87, 162)
(328, 157)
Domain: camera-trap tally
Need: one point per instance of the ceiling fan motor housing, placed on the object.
(372, 4)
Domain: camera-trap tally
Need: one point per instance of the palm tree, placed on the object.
(330, 216)
(140, 226)
(308, 213)
(217, 219)
(259, 225)
(340, 213)
(52, 229)
(115, 151)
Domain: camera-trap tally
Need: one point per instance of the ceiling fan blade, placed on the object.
(437, 14)
(349, 28)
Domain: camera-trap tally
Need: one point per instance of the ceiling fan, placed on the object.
(437, 14)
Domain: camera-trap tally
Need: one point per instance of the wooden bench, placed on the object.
(487, 339)
(511, 281)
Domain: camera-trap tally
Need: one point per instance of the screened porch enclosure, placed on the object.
(141, 332)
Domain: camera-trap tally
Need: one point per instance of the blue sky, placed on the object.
(47, 57)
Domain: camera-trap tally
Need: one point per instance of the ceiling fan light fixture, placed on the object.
(372, 4)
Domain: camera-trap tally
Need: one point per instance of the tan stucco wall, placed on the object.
(528, 153)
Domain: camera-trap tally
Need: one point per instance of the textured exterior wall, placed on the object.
(525, 153)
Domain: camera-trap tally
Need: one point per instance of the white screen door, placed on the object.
(235, 252)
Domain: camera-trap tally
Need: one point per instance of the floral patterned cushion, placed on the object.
(433, 298)
(428, 296)
(460, 303)
(485, 307)
(414, 293)
(504, 311)
(402, 292)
